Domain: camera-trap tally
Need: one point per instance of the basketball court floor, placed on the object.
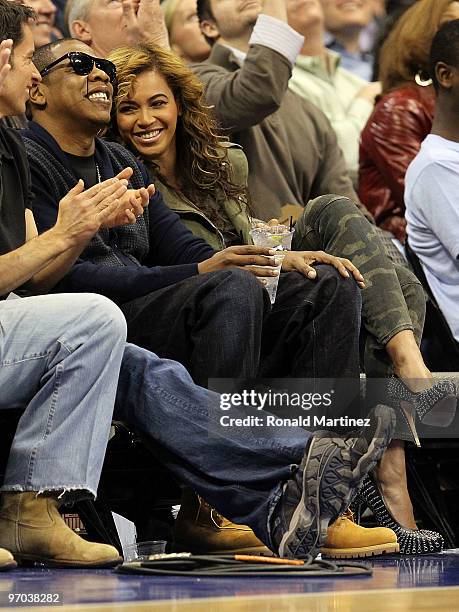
(397, 584)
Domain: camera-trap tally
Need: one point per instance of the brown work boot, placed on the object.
(200, 529)
(33, 530)
(6, 560)
(347, 540)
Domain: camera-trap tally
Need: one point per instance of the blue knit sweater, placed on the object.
(122, 263)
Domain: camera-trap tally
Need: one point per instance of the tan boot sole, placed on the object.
(29, 559)
(364, 551)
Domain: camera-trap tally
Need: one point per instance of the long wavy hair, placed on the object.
(405, 52)
(202, 159)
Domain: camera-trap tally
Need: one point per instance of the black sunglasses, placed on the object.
(83, 64)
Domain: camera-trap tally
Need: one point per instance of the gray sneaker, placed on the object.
(325, 483)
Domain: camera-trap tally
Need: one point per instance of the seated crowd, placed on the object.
(139, 144)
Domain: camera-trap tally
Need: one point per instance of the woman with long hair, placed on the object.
(185, 154)
(159, 113)
(403, 115)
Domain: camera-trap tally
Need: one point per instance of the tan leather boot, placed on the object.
(200, 529)
(6, 560)
(33, 530)
(347, 540)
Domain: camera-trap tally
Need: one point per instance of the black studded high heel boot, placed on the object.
(434, 406)
(411, 541)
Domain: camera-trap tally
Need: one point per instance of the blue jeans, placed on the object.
(221, 325)
(241, 474)
(64, 352)
(60, 357)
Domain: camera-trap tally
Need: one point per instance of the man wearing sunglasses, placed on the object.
(60, 359)
(83, 64)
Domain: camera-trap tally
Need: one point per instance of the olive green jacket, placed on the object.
(196, 221)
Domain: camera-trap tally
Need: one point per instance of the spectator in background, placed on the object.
(370, 33)
(43, 27)
(346, 99)
(106, 24)
(290, 145)
(185, 36)
(43, 32)
(394, 10)
(403, 116)
(432, 182)
(60, 17)
(345, 22)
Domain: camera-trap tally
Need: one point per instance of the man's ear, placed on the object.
(209, 29)
(81, 29)
(37, 96)
(444, 74)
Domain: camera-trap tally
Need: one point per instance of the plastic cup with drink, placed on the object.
(278, 237)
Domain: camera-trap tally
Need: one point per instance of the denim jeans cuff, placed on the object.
(66, 495)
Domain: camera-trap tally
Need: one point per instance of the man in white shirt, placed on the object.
(319, 76)
(432, 182)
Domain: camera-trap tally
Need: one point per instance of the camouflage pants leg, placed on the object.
(393, 299)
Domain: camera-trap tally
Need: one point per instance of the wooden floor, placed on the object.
(406, 600)
(397, 584)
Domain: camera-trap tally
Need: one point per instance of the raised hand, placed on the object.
(144, 22)
(130, 206)
(82, 213)
(370, 91)
(6, 47)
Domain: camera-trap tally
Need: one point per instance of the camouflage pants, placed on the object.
(393, 299)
